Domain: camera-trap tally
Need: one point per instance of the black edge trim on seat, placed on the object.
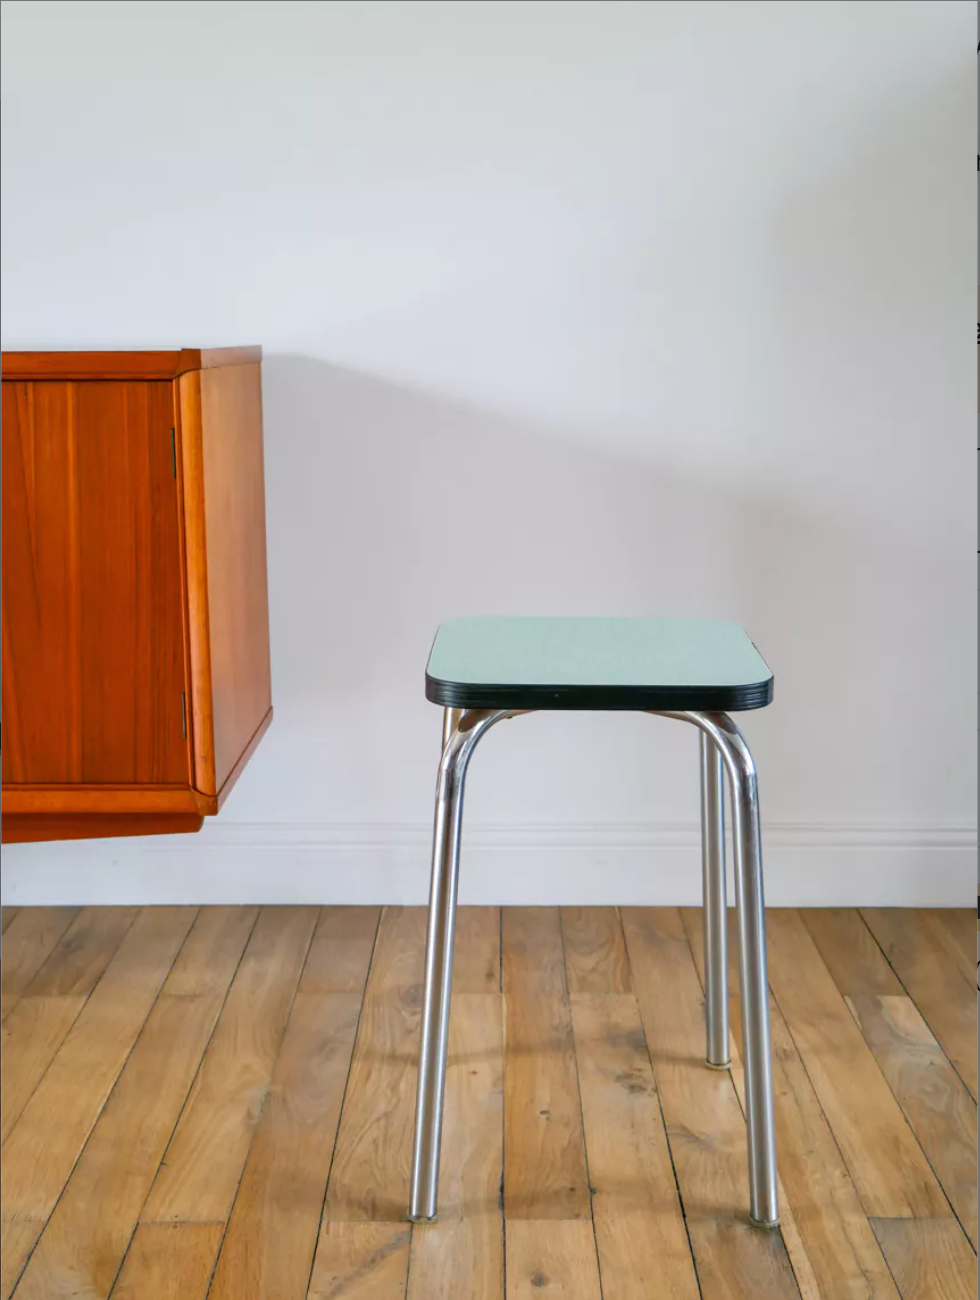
(471, 695)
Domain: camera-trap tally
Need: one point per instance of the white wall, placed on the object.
(567, 308)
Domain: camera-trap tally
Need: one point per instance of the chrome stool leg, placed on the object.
(756, 1037)
(714, 904)
(461, 732)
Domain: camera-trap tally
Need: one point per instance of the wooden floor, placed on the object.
(218, 1102)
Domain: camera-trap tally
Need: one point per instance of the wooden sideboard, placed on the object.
(136, 678)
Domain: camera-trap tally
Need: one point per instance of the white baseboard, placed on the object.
(828, 865)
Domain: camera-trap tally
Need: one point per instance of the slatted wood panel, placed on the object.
(270, 1056)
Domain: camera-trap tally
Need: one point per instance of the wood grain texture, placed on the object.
(827, 1234)
(545, 1172)
(929, 1258)
(361, 1261)
(272, 1235)
(224, 514)
(929, 974)
(890, 1172)
(956, 930)
(90, 1229)
(209, 959)
(639, 1224)
(595, 951)
(7, 914)
(169, 1261)
(462, 1252)
(834, 1232)
(33, 828)
(936, 1103)
(39, 1022)
(45, 1142)
(93, 663)
(476, 959)
(204, 1161)
(849, 952)
(341, 950)
(828, 1238)
(31, 1036)
(93, 1136)
(705, 1125)
(88, 800)
(16, 1242)
(370, 1174)
(27, 943)
(189, 434)
(122, 365)
(83, 952)
(555, 1259)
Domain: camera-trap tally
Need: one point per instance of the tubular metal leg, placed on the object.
(461, 731)
(756, 1036)
(714, 904)
(757, 1042)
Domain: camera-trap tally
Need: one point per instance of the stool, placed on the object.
(482, 670)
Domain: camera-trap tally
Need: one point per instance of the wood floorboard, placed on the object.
(945, 996)
(202, 1104)
(955, 928)
(595, 950)
(371, 1165)
(892, 1176)
(545, 1171)
(45, 1142)
(551, 1258)
(929, 1258)
(89, 1232)
(636, 1211)
(27, 943)
(275, 1220)
(361, 1261)
(830, 1243)
(705, 1124)
(39, 1022)
(199, 1175)
(7, 914)
(169, 1261)
(936, 1103)
(462, 1253)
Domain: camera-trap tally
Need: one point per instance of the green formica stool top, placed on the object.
(700, 664)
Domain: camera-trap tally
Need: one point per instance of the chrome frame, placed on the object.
(722, 745)
(715, 904)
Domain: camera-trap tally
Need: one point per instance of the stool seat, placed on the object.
(699, 664)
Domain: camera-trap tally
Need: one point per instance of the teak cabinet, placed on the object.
(136, 677)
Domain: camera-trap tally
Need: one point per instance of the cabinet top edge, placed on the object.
(122, 365)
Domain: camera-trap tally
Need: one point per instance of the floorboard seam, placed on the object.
(340, 1111)
(109, 1095)
(190, 1089)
